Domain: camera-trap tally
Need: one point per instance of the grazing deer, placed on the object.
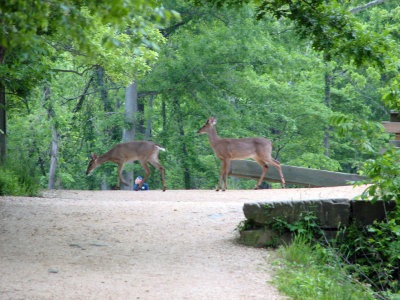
(258, 149)
(143, 151)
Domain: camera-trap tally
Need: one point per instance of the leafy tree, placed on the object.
(33, 35)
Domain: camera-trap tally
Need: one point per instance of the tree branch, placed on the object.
(82, 98)
(73, 71)
(366, 6)
(85, 94)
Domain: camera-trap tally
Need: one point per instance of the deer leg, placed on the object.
(226, 169)
(120, 167)
(265, 170)
(277, 165)
(120, 178)
(161, 168)
(147, 174)
(221, 174)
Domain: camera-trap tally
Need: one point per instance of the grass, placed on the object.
(17, 180)
(312, 272)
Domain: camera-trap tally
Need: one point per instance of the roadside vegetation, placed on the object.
(310, 271)
(361, 263)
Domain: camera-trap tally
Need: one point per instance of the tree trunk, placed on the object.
(148, 126)
(128, 133)
(53, 160)
(164, 116)
(3, 129)
(3, 123)
(103, 90)
(186, 169)
(140, 129)
(328, 104)
(54, 142)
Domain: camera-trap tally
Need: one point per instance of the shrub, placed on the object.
(18, 181)
(310, 271)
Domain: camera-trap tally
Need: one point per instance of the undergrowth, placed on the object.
(18, 179)
(362, 262)
(310, 271)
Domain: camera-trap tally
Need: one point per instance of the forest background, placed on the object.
(77, 79)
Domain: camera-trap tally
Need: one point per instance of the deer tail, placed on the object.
(160, 147)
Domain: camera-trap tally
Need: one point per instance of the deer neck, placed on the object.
(102, 159)
(213, 137)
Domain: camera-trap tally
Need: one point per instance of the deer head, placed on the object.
(209, 124)
(92, 164)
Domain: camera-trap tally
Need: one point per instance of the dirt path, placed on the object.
(135, 245)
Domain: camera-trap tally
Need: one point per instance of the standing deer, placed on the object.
(143, 151)
(258, 149)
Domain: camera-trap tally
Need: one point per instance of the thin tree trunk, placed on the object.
(107, 108)
(128, 133)
(140, 129)
(148, 126)
(53, 160)
(186, 170)
(3, 128)
(54, 142)
(103, 90)
(328, 105)
(3, 116)
(164, 116)
(40, 160)
(82, 98)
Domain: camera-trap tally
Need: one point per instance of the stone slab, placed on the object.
(366, 212)
(264, 237)
(331, 213)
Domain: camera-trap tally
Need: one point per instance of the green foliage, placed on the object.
(366, 135)
(332, 28)
(307, 224)
(32, 38)
(246, 225)
(309, 272)
(384, 172)
(316, 161)
(18, 179)
(373, 256)
(257, 77)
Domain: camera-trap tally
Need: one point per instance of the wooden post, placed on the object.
(393, 126)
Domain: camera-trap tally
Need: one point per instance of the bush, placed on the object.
(310, 271)
(18, 181)
(373, 255)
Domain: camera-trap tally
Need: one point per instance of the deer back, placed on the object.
(242, 148)
(137, 150)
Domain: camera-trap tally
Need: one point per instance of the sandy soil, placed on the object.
(136, 245)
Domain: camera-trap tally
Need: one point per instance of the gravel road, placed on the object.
(136, 245)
